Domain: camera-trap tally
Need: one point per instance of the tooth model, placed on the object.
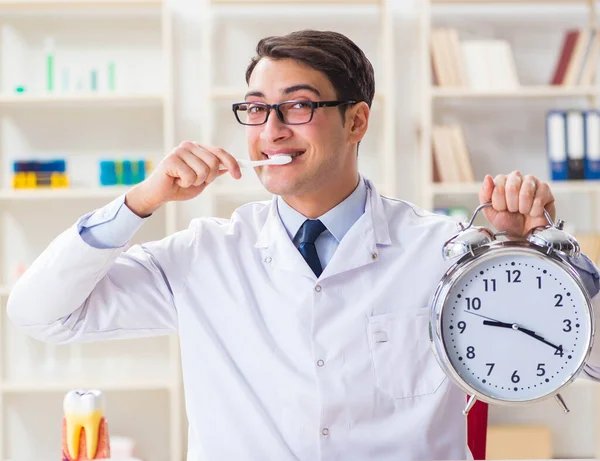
(85, 431)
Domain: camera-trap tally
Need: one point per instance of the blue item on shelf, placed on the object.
(141, 171)
(47, 166)
(108, 173)
(127, 173)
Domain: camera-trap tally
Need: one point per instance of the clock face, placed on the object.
(516, 326)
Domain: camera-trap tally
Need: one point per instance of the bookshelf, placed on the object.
(83, 126)
(432, 96)
(507, 118)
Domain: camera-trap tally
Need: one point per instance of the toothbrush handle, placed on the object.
(243, 164)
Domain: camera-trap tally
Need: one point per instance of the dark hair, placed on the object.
(334, 54)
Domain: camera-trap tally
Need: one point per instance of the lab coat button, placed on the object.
(325, 432)
(268, 260)
(320, 363)
(318, 288)
(374, 256)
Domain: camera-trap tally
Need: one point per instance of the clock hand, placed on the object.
(499, 324)
(483, 316)
(515, 326)
(538, 337)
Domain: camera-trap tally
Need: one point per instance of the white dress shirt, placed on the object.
(277, 363)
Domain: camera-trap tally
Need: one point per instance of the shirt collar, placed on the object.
(338, 220)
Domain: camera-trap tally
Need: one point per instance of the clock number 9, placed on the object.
(474, 303)
(461, 326)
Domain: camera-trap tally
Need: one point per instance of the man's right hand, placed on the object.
(181, 175)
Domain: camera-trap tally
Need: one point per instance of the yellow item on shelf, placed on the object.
(30, 180)
(59, 180)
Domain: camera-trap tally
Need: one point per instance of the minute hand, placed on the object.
(515, 326)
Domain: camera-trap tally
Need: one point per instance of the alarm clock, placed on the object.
(511, 321)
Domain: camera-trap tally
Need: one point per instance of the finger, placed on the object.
(487, 187)
(527, 194)
(543, 198)
(210, 159)
(511, 190)
(498, 196)
(200, 167)
(485, 196)
(228, 160)
(176, 168)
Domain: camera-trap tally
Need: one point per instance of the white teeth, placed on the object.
(83, 409)
(295, 154)
(83, 402)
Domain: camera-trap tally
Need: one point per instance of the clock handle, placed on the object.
(472, 400)
(561, 403)
(559, 223)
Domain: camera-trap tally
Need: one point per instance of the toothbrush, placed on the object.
(277, 160)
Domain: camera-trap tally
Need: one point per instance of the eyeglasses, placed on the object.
(297, 112)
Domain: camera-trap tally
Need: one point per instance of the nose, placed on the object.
(274, 129)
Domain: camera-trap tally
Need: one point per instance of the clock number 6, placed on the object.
(515, 378)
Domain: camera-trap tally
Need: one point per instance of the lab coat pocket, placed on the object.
(403, 360)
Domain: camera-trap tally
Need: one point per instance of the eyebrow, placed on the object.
(291, 89)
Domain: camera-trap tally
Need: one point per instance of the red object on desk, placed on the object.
(477, 429)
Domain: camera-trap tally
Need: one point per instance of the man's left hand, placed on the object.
(518, 203)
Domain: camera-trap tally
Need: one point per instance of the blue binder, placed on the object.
(556, 144)
(591, 129)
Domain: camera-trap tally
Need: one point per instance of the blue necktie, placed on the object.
(307, 235)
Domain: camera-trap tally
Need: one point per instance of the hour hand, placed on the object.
(495, 323)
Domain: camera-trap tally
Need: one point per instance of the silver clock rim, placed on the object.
(451, 277)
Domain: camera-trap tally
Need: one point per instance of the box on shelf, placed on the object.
(33, 174)
(124, 172)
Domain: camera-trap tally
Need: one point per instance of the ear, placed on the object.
(357, 120)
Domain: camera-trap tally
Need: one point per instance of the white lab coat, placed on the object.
(277, 364)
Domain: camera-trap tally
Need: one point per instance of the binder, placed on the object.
(591, 136)
(556, 144)
(575, 145)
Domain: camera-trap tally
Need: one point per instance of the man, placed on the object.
(276, 307)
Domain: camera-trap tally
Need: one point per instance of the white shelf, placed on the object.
(507, 2)
(64, 193)
(523, 92)
(59, 4)
(84, 99)
(45, 386)
(291, 2)
(556, 186)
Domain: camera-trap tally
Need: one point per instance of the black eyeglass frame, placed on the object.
(313, 104)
